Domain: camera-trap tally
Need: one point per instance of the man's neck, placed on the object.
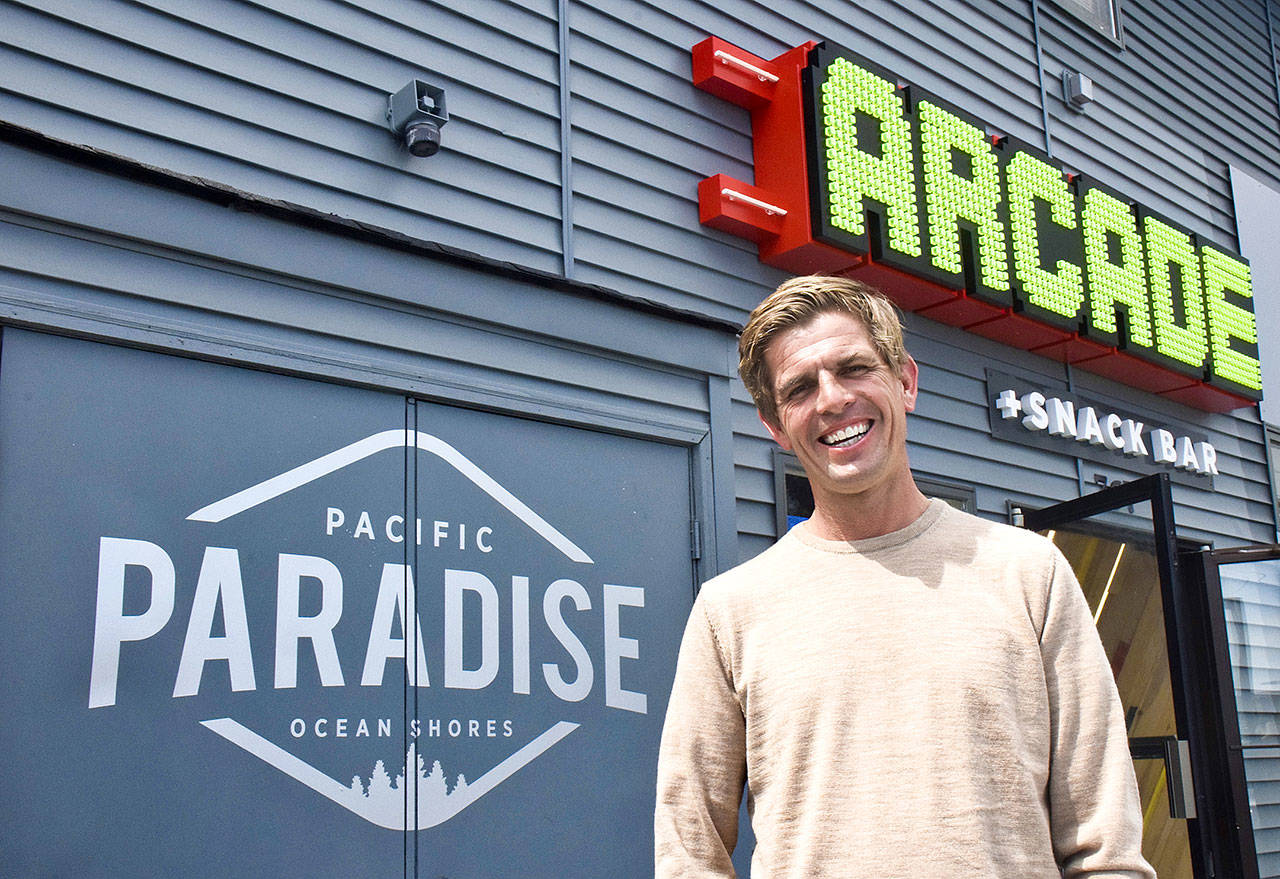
(868, 514)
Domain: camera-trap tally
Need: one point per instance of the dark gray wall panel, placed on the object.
(454, 354)
(161, 269)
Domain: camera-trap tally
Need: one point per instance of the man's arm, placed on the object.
(1094, 812)
(702, 762)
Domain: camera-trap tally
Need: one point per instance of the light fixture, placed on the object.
(1077, 89)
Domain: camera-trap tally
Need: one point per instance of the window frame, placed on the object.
(1114, 31)
(961, 495)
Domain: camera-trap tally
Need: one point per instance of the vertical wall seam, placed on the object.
(1071, 389)
(1044, 101)
(409, 713)
(1271, 44)
(566, 133)
(723, 533)
(1271, 442)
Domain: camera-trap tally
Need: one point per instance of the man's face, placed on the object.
(841, 409)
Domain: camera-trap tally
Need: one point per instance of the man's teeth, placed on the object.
(846, 434)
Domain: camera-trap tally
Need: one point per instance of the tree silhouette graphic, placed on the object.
(386, 800)
(387, 803)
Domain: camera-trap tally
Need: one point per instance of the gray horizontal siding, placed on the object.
(640, 146)
(165, 270)
(1192, 90)
(753, 466)
(287, 100)
(643, 136)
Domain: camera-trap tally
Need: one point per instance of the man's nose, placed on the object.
(832, 394)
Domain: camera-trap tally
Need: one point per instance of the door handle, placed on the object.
(1176, 755)
(1177, 766)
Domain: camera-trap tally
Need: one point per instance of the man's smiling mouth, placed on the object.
(846, 436)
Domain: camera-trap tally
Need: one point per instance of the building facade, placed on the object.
(364, 492)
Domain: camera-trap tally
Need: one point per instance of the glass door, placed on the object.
(1128, 578)
(1242, 588)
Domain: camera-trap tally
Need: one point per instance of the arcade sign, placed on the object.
(861, 174)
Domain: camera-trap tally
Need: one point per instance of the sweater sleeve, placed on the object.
(701, 762)
(1094, 811)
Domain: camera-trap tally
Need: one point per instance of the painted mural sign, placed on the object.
(859, 172)
(303, 636)
(307, 629)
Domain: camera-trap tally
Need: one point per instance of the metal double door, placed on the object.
(255, 624)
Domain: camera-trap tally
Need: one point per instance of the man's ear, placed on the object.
(775, 431)
(910, 383)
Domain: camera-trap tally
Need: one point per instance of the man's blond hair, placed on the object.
(798, 301)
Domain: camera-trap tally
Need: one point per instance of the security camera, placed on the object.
(415, 114)
(422, 138)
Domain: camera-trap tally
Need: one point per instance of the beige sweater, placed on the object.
(934, 702)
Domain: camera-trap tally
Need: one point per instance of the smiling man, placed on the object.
(906, 691)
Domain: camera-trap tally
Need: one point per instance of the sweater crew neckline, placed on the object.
(932, 513)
